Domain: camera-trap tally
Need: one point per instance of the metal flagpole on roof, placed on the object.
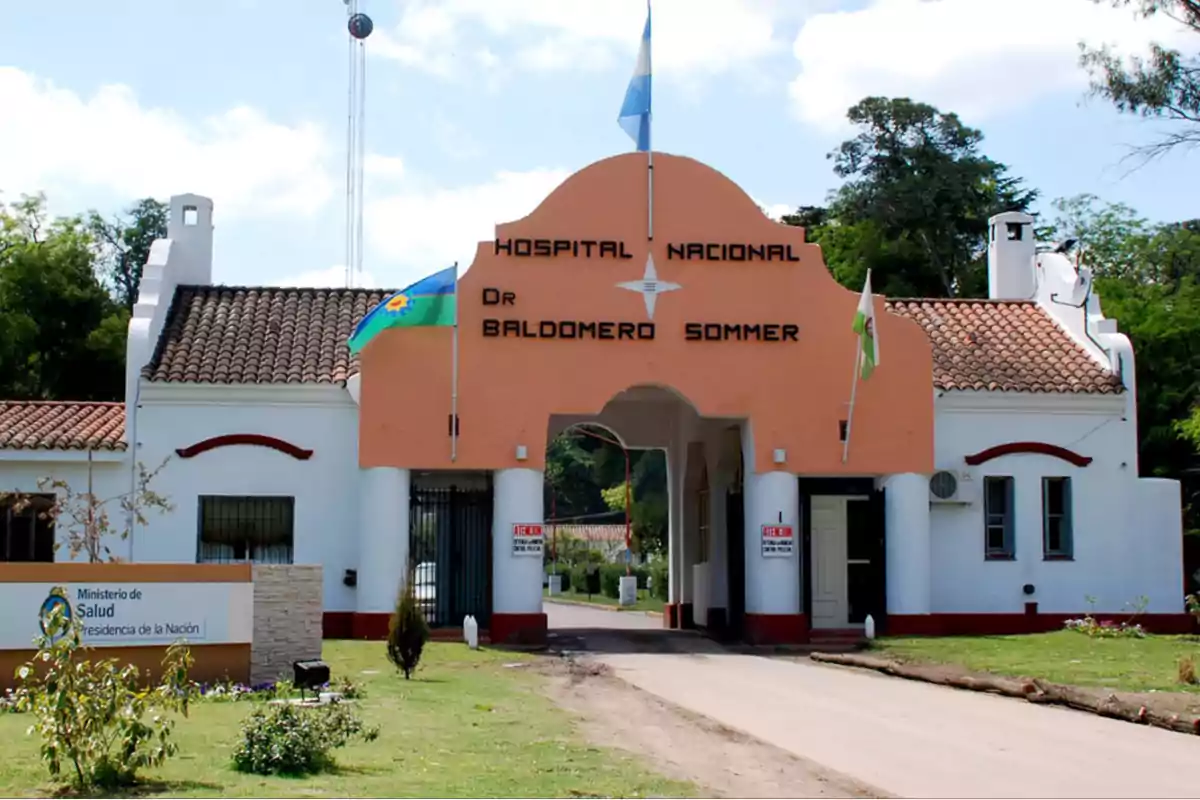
(454, 374)
(359, 26)
(649, 144)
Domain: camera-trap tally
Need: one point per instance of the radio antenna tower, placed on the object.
(359, 26)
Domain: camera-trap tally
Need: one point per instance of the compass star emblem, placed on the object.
(650, 287)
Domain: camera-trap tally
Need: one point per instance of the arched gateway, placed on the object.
(572, 313)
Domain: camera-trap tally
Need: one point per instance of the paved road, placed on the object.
(907, 738)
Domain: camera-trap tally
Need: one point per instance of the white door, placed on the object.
(830, 604)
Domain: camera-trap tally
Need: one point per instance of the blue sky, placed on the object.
(478, 108)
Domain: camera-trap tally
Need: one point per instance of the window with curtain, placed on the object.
(259, 529)
(1057, 541)
(998, 511)
(26, 531)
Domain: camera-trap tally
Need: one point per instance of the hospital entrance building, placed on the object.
(991, 482)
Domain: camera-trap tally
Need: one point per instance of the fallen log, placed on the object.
(1009, 687)
(1034, 691)
(1112, 707)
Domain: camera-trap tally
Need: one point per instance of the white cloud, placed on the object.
(56, 140)
(383, 167)
(967, 56)
(423, 230)
(775, 210)
(333, 277)
(690, 36)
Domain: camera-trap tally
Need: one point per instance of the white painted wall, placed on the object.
(516, 580)
(323, 419)
(1115, 514)
(20, 471)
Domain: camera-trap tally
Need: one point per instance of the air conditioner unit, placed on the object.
(952, 487)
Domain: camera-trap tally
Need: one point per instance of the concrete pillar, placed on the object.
(773, 608)
(718, 574)
(906, 513)
(517, 615)
(383, 548)
(676, 471)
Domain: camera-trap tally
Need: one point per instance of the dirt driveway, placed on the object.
(851, 730)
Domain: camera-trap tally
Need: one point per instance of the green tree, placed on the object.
(649, 513)
(915, 204)
(1149, 278)
(61, 335)
(1164, 85)
(1117, 243)
(123, 245)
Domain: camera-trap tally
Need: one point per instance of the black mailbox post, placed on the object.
(310, 675)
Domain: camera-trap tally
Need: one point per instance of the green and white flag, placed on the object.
(864, 326)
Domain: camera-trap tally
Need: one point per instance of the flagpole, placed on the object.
(858, 355)
(454, 374)
(649, 187)
(649, 142)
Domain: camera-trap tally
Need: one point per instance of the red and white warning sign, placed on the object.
(528, 539)
(778, 540)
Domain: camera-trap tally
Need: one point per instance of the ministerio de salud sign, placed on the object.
(649, 286)
(130, 614)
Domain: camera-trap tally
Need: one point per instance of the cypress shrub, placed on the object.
(407, 633)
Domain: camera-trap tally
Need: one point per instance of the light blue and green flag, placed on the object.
(429, 301)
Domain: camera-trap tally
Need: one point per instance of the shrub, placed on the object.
(1187, 670)
(660, 583)
(289, 739)
(579, 578)
(92, 716)
(641, 572)
(407, 633)
(1108, 629)
(610, 580)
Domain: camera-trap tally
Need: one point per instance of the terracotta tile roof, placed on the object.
(1004, 345)
(46, 425)
(220, 334)
(225, 334)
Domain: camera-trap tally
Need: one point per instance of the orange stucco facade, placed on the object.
(790, 376)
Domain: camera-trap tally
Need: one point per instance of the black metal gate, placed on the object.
(450, 553)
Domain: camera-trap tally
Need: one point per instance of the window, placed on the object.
(258, 529)
(998, 517)
(1056, 518)
(26, 533)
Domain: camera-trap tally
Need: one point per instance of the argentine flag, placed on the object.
(635, 111)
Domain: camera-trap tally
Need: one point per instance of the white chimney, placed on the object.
(1011, 252)
(190, 230)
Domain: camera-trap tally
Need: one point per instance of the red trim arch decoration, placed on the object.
(1035, 448)
(253, 439)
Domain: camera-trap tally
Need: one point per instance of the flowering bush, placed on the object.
(98, 721)
(9, 704)
(1106, 629)
(231, 692)
(288, 739)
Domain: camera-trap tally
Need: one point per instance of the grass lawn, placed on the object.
(1068, 657)
(465, 726)
(645, 601)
